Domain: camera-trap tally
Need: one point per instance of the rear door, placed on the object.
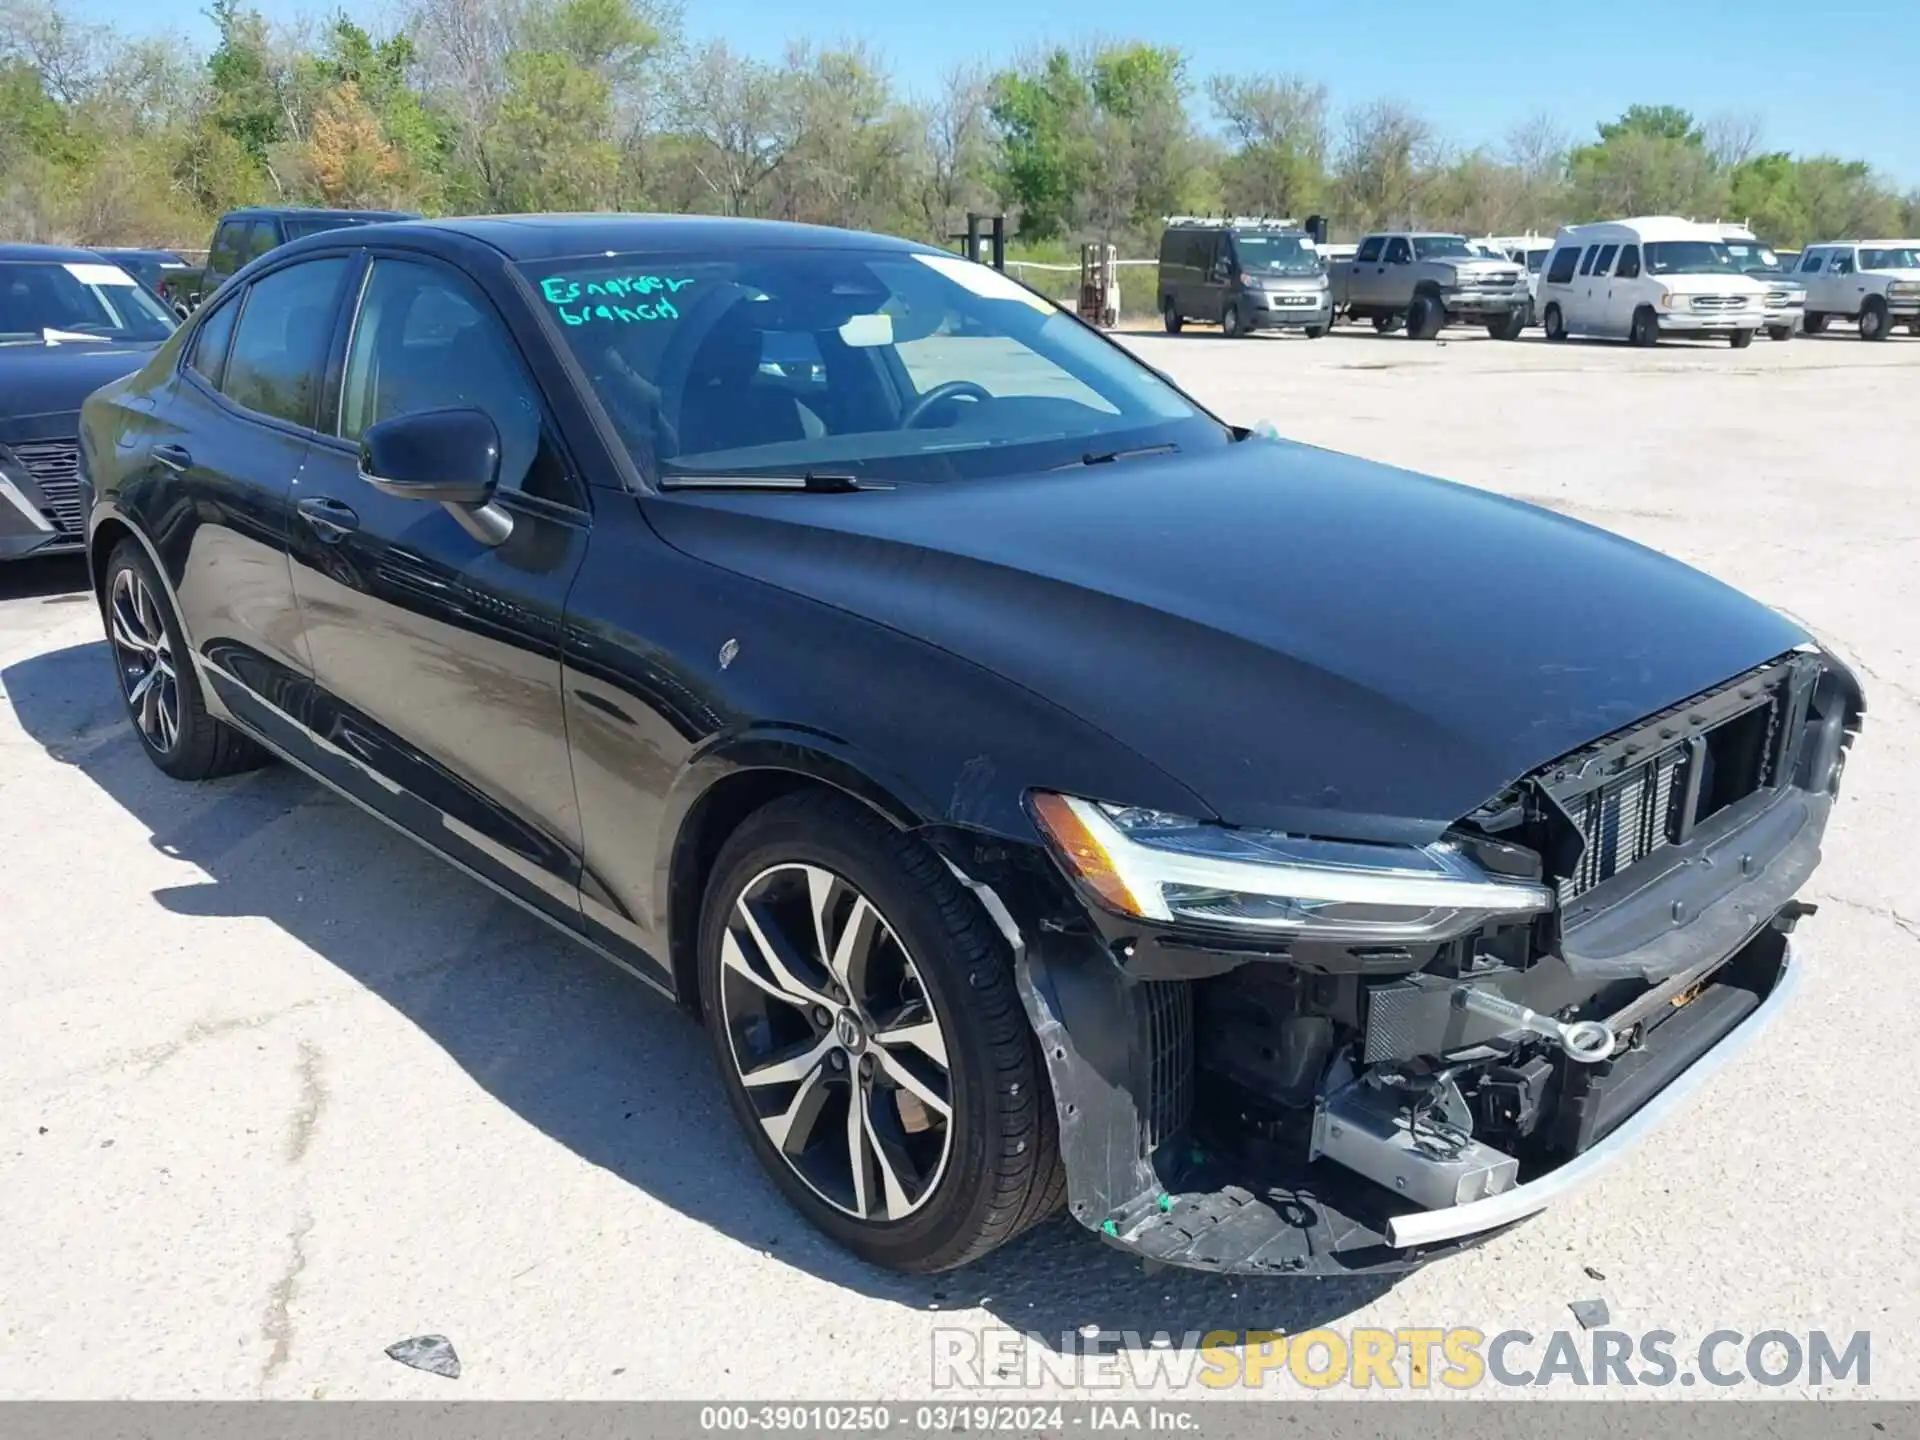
(234, 431)
(1365, 270)
(437, 657)
(1393, 278)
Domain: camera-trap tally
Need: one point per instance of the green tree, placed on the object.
(1278, 130)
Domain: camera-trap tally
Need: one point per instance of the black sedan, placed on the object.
(1043, 791)
(152, 268)
(69, 322)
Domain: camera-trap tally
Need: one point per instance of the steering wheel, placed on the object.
(948, 390)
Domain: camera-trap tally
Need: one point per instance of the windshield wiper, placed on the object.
(814, 482)
(1108, 457)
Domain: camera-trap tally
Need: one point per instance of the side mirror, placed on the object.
(451, 457)
(180, 309)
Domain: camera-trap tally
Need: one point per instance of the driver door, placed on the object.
(436, 656)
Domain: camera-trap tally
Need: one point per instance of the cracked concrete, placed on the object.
(352, 1097)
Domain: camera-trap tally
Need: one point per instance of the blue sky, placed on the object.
(1837, 79)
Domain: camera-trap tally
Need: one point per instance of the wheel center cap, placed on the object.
(848, 1030)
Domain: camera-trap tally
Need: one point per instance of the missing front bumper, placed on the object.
(1261, 1209)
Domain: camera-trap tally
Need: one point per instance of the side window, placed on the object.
(1842, 263)
(1810, 263)
(208, 357)
(1560, 271)
(427, 339)
(261, 237)
(280, 347)
(224, 257)
(1399, 252)
(1604, 265)
(1369, 251)
(1629, 263)
(1586, 260)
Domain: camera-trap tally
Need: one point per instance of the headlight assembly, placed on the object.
(1166, 868)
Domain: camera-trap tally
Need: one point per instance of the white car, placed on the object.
(1875, 283)
(1641, 279)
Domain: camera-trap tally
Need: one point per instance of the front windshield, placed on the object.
(44, 300)
(1754, 258)
(888, 365)
(1282, 254)
(1690, 257)
(1901, 257)
(1443, 247)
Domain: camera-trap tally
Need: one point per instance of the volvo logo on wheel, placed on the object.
(848, 1030)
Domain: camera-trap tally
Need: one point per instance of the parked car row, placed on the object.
(1636, 280)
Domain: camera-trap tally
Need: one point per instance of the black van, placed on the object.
(1243, 275)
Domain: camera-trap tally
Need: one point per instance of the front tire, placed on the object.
(1508, 327)
(157, 680)
(1425, 318)
(1230, 323)
(1740, 339)
(1873, 319)
(1314, 332)
(1387, 324)
(1815, 322)
(1780, 332)
(863, 1014)
(1554, 324)
(1170, 316)
(1645, 330)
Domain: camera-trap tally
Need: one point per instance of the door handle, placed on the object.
(174, 457)
(330, 520)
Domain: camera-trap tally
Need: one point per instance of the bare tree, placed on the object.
(1734, 137)
(734, 113)
(69, 55)
(958, 148)
(1384, 150)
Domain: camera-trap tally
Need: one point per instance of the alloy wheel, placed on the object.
(835, 1042)
(143, 652)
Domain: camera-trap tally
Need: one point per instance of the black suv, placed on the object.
(243, 235)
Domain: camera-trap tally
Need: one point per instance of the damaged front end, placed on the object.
(1289, 1055)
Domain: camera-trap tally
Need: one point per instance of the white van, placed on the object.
(1641, 279)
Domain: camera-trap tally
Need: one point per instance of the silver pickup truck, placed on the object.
(1426, 281)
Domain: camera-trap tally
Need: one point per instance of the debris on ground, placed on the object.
(1591, 1314)
(432, 1353)
(1592, 1274)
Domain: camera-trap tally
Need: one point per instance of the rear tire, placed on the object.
(1170, 316)
(1230, 324)
(998, 1169)
(1645, 330)
(1815, 322)
(1554, 324)
(1387, 324)
(158, 683)
(1873, 319)
(1740, 339)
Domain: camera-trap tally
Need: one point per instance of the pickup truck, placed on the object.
(242, 235)
(1425, 281)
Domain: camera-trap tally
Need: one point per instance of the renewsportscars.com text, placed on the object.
(1456, 1358)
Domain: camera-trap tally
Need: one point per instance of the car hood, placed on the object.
(37, 379)
(1901, 275)
(1305, 640)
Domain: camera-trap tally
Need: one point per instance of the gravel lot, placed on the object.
(277, 1089)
